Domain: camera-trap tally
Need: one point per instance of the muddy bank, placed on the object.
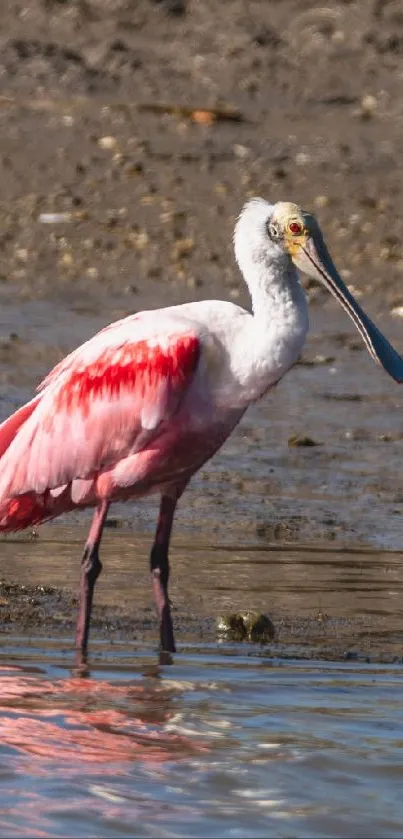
(325, 603)
(154, 191)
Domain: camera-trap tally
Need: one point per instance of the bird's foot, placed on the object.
(165, 658)
(166, 631)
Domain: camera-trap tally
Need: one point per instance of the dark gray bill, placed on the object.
(314, 259)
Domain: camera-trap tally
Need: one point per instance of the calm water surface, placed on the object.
(222, 743)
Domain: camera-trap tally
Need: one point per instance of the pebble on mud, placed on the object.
(321, 201)
(368, 106)
(107, 142)
(240, 151)
(55, 218)
(317, 360)
(22, 254)
(137, 239)
(302, 158)
(182, 248)
(66, 260)
(301, 440)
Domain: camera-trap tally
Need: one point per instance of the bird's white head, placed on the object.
(252, 245)
(269, 235)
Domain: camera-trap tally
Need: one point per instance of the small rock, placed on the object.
(266, 37)
(350, 655)
(55, 218)
(182, 248)
(354, 290)
(107, 142)
(66, 260)
(300, 440)
(338, 36)
(321, 201)
(141, 240)
(302, 158)
(22, 254)
(203, 117)
(369, 103)
(113, 523)
(221, 189)
(368, 107)
(316, 360)
(240, 151)
(173, 7)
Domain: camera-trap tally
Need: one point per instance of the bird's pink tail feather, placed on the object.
(10, 427)
(24, 511)
(28, 509)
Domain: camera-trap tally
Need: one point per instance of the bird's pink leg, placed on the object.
(90, 570)
(160, 570)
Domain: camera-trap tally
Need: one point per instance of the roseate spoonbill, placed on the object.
(144, 403)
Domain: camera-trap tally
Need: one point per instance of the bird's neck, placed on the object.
(279, 325)
(275, 291)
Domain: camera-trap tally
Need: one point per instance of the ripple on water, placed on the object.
(213, 745)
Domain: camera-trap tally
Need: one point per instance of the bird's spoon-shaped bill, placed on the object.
(313, 259)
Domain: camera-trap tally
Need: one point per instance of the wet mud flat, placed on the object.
(112, 113)
(109, 114)
(324, 602)
(299, 516)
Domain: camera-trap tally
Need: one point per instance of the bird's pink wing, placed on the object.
(104, 402)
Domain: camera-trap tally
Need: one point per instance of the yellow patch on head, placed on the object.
(293, 223)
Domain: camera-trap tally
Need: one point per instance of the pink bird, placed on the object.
(140, 407)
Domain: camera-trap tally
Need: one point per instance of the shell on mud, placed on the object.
(232, 626)
(250, 626)
(259, 628)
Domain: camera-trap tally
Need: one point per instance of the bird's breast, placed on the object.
(260, 358)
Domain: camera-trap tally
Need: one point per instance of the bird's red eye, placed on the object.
(295, 227)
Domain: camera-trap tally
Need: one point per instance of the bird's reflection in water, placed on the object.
(83, 719)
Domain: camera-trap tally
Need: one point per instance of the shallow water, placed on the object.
(219, 744)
